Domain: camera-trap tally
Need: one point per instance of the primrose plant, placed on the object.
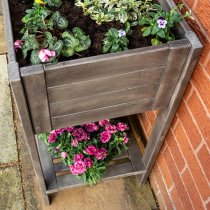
(46, 38)
(159, 24)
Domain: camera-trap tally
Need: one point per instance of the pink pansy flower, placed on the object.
(161, 22)
(80, 167)
(88, 162)
(103, 122)
(91, 127)
(111, 128)
(45, 54)
(91, 150)
(64, 154)
(52, 137)
(18, 44)
(78, 157)
(125, 140)
(121, 126)
(74, 143)
(105, 136)
(80, 134)
(101, 154)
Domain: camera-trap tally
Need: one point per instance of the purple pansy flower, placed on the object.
(161, 22)
(121, 33)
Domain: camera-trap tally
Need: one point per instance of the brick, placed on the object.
(202, 84)
(189, 126)
(164, 170)
(207, 67)
(190, 3)
(176, 200)
(208, 206)
(192, 162)
(144, 122)
(191, 188)
(177, 180)
(205, 51)
(161, 202)
(151, 117)
(163, 190)
(188, 91)
(204, 158)
(200, 116)
(202, 13)
(153, 182)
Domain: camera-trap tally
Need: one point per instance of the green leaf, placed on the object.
(147, 31)
(34, 58)
(106, 47)
(58, 47)
(155, 42)
(67, 51)
(62, 23)
(155, 29)
(83, 45)
(161, 33)
(31, 42)
(115, 48)
(69, 40)
(54, 3)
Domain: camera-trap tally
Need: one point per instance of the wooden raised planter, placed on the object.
(100, 87)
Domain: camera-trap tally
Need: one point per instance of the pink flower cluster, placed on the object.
(52, 137)
(18, 44)
(100, 154)
(80, 164)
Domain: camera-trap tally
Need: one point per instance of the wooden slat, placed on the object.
(102, 113)
(104, 85)
(179, 50)
(48, 167)
(106, 65)
(116, 171)
(102, 100)
(35, 88)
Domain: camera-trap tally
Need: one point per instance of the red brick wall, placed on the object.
(181, 174)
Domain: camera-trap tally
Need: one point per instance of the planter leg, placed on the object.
(18, 92)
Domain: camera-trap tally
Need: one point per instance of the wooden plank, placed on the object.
(116, 171)
(36, 94)
(106, 65)
(165, 116)
(102, 113)
(104, 85)
(47, 166)
(102, 100)
(179, 50)
(21, 103)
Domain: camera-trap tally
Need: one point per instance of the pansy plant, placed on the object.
(158, 24)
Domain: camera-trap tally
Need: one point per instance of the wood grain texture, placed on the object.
(102, 113)
(104, 85)
(35, 88)
(102, 100)
(179, 50)
(105, 65)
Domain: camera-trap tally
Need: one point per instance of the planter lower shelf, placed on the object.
(58, 177)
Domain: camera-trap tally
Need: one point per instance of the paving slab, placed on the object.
(11, 197)
(3, 48)
(8, 149)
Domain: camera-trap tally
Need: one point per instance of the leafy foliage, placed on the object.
(110, 10)
(159, 24)
(87, 149)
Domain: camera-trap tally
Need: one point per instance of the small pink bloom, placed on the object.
(52, 137)
(88, 162)
(121, 126)
(80, 134)
(57, 149)
(74, 143)
(45, 54)
(105, 136)
(79, 167)
(59, 131)
(72, 169)
(91, 127)
(91, 150)
(78, 157)
(18, 44)
(111, 128)
(103, 122)
(64, 154)
(125, 140)
(101, 154)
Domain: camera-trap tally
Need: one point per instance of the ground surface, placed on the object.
(18, 185)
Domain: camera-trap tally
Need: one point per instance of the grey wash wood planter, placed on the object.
(94, 88)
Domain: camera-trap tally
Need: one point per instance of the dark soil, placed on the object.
(75, 18)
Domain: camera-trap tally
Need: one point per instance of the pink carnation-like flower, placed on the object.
(52, 137)
(74, 143)
(18, 44)
(80, 134)
(111, 128)
(103, 122)
(45, 54)
(88, 162)
(59, 131)
(91, 127)
(78, 157)
(101, 154)
(91, 150)
(79, 167)
(121, 126)
(64, 154)
(57, 149)
(105, 136)
(125, 140)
